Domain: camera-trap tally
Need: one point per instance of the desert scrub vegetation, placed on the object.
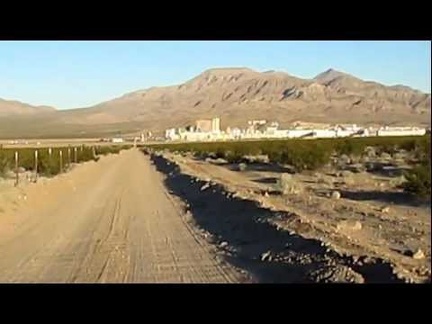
(49, 158)
(4, 163)
(418, 179)
(286, 185)
(302, 154)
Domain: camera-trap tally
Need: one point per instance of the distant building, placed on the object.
(208, 125)
(204, 125)
(117, 140)
(190, 128)
(401, 131)
(170, 133)
(209, 130)
(236, 132)
(215, 125)
(270, 130)
(257, 122)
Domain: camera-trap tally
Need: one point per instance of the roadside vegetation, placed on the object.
(316, 154)
(52, 161)
(418, 179)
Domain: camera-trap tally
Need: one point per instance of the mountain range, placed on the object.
(236, 95)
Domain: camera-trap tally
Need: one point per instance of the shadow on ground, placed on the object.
(267, 180)
(397, 198)
(244, 226)
(250, 165)
(262, 167)
(389, 171)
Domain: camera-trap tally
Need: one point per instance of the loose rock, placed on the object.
(385, 156)
(336, 274)
(223, 244)
(204, 187)
(418, 255)
(242, 167)
(385, 209)
(335, 195)
(266, 256)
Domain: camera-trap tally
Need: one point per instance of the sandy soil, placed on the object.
(372, 221)
(110, 221)
(138, 218)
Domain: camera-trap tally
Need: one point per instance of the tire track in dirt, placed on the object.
(117, 225)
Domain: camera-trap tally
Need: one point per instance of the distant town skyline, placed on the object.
(210, 130)
(71, 74)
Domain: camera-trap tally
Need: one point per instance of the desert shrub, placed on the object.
(104, 150)
(49, 165)
(4, 162)
(286, 185)
(233, 157)
(308, 156)
(409, 145)
(398, 181)
(349, 147)
(276, 156)
(302, 154)
(418, 181)
(220, 153)
(422, 150)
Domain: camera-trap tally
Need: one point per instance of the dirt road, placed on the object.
(110, 221)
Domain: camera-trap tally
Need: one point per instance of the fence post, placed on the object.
(69, 156)
(61, 161)
(75, 154)
(36, 165)
(49, 155)
(16, 168)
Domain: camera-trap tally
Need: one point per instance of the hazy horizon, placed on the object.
(71, 74)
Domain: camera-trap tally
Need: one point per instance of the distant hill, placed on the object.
(12, 107)
(241, 94)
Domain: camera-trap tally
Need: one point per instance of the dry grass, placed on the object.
(287, 185)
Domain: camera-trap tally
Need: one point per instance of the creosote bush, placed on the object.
(303, 154)
(49, 164)
(418, 179)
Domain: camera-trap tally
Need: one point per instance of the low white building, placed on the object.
(401, 131)
(272, 131)
(236, 132)
(195, 136)
(171, 134)
(325, 133)
(297, 133)
(117, 140)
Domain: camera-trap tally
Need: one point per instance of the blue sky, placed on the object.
(79, 74)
